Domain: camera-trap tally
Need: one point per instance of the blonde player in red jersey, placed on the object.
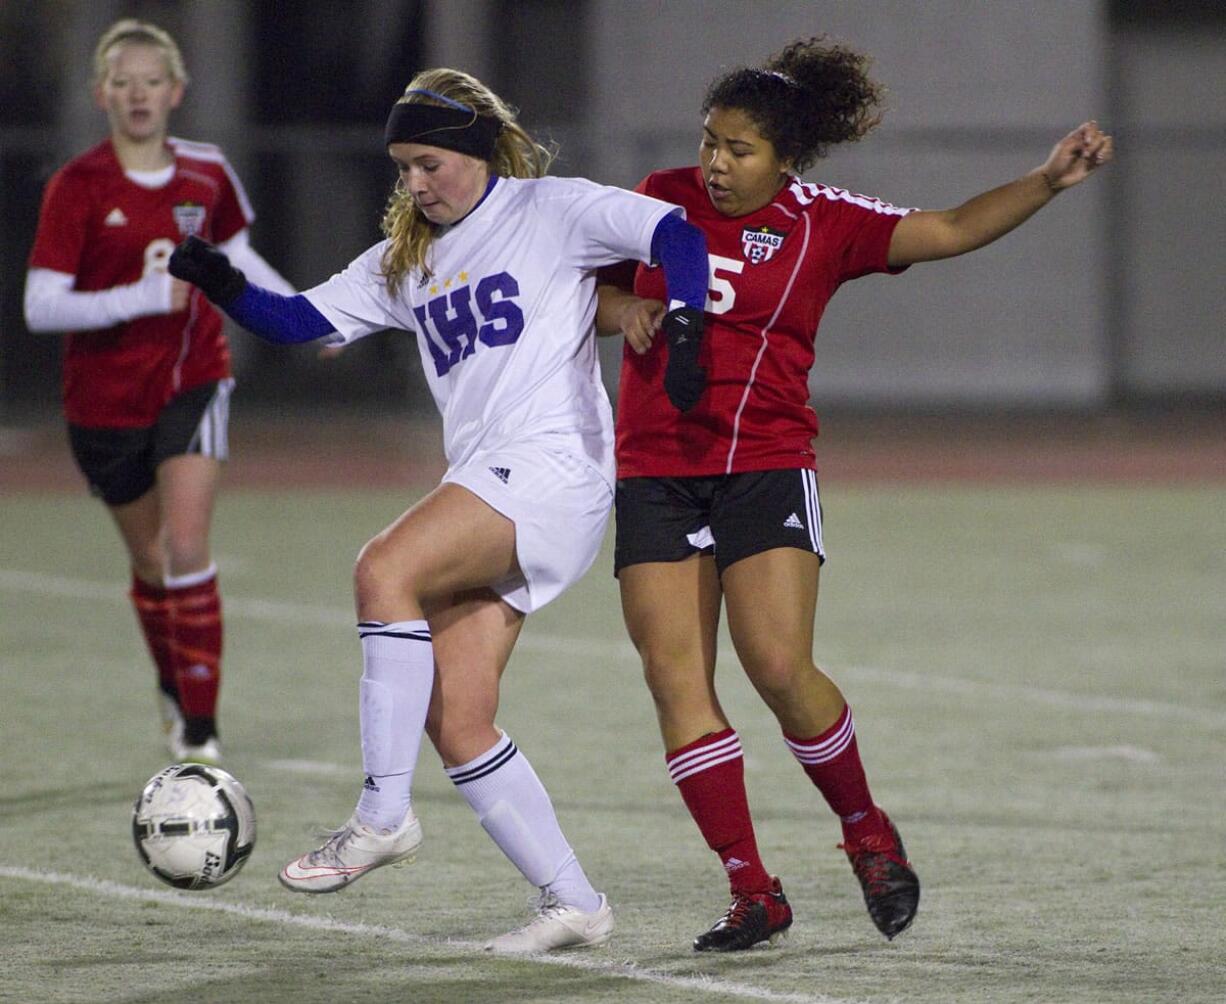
(146, 369)
(717, 500)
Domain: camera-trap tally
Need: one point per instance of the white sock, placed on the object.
(515, 811)
(397, 678)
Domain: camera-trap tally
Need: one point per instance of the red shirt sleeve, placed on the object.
(62, 220)
(865, 227)
(229, 217)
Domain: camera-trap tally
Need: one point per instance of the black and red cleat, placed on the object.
(752, 917)
(891, 887)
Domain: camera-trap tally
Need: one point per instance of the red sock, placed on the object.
(832, 761)
(197, 635)
(153, 612)
(710, 774)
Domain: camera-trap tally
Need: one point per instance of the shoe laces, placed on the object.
(738, 910)
(546, 906)
(871, 859)
(331, 845)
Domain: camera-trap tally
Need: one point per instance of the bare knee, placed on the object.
(185, 552)
(684, 696)
(148, 567)
(779, 677)
(460, 736)
(383, 580)
(800, 695)
(669, 675)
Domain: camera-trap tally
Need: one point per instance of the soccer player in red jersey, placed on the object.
(146, 371)
(717, 498)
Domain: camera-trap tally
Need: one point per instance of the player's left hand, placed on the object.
(201, 264)
(1075, 157)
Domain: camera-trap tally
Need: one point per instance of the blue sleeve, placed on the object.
(286, 320)
(680, 248)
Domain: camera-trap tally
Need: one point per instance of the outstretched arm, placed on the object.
(286, 320)
(927, 236)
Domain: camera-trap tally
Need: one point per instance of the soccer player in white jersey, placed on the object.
(146, 368)
(493, 266)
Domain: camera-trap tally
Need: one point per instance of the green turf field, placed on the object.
(1039, 686)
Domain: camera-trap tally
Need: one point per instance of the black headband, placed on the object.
(450, 128)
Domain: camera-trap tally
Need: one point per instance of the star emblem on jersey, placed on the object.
(503, 474)
(189, 218)
(116, 218)
(793, 522)
(758, 244)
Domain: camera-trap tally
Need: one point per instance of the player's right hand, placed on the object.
(684, 378)
(201, 264)
(640, 320)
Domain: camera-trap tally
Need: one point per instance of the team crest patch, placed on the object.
(189, 218)
(759, 243)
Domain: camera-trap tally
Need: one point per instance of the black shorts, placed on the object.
(121, 464)
(732, 516)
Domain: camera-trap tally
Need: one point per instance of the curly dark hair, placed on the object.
(808, 97)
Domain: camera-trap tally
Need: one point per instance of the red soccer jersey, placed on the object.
(772, 273)
(100, 226)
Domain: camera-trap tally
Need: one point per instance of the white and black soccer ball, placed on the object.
(193, 825)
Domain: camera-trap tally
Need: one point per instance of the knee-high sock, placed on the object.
(832, 761)
(195, 641)
(710, 774)
(514, 808)
(153, 613)
(397, 678)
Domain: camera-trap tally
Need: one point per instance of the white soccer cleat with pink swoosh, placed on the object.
(350, 853)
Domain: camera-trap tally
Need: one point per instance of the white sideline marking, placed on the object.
(281, 612)
(315, 768)
(1056, 698)
(624, 970)
(1131, 754)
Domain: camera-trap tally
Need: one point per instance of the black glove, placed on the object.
(684, 379)
(201, 264)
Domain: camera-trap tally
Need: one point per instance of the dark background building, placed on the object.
(1112, 297)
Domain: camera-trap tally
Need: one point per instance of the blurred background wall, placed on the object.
(1113, 296)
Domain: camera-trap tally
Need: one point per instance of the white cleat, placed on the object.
(350, 853)
(208, 752)
(557, 926)
(172, 722)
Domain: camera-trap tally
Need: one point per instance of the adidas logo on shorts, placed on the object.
(793, 522)
(503, 474)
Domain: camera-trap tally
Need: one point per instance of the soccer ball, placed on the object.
(193, 825)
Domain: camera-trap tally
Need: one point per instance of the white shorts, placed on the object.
(560, 506)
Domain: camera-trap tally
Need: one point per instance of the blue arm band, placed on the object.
(286, 320)
(681, 250)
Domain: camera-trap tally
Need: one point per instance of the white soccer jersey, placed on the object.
(505, 321)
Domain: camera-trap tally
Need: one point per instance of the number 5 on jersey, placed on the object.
(720, 294)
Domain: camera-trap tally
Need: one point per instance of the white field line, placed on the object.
(377, 932)
(282, 612)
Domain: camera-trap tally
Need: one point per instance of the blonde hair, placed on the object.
(140, 33)
(516, 155)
